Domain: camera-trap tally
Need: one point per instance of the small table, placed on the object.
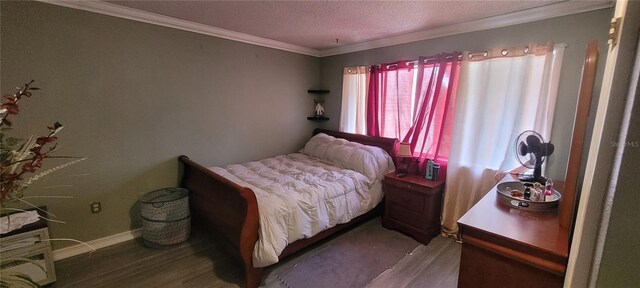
(412, 205)
(29, 242)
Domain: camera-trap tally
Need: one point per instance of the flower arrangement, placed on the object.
(18, 159)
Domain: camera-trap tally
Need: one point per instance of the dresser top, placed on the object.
(539, 230)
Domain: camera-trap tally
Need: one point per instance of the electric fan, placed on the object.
(531, 151)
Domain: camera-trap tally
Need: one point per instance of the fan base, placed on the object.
(531, 178)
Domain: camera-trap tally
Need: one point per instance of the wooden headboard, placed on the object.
(387, 144)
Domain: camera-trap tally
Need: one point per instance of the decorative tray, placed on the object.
(505, 196)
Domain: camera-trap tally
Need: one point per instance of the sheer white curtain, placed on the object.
(497, 99)
(355, 82)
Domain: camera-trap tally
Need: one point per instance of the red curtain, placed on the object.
(373, 102)
(435, 96)
(422, 118)
(389, 100)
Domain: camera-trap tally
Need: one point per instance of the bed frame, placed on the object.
(232, 210)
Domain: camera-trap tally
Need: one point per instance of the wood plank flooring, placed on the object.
(434, 265)
(201, 262)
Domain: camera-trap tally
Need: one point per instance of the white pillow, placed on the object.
(371, 161)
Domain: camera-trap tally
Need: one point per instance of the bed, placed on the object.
(229, 199)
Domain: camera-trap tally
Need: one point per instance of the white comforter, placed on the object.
(300, 195)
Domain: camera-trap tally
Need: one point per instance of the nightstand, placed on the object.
(412, 205)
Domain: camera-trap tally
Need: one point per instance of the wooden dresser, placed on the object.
(509, 247)
(412, 205)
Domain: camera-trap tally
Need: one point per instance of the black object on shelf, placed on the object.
(318, 118)
(317, 91)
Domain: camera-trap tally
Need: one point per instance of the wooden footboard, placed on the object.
(227, 206)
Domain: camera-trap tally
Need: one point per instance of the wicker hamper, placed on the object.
(165, 216)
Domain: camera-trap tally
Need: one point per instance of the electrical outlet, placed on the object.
(96, 207)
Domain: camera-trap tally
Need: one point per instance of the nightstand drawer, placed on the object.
(406, 185)
(406, 199)
(407, 217)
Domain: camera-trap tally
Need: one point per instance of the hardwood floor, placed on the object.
(387, 259)
(434, 265)
(198, 262)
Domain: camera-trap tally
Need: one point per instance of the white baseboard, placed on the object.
(74, 250)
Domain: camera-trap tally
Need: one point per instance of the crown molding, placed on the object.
(519, 17)
(167, 21)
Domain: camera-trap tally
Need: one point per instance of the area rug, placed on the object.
(352, 259)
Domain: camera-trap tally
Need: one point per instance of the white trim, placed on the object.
(585, 231)
(519, 17)
(75, 250)
(167, 21)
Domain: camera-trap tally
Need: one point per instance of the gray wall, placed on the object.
(134, 96)
(574, 30)
(619, 266)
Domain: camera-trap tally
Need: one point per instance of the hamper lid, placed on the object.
(164, 195)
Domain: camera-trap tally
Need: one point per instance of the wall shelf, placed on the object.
(317, 91)
(318, 118)
(318, 99)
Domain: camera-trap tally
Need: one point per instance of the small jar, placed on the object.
(436, 171)
(538, 195)
(548, 190)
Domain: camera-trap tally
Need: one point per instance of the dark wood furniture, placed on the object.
(318, 118)
(412, 205)
(318, 91)
(232, 210)
(510, 247)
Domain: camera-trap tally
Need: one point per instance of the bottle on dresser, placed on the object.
(548, 193)
(429, 168)
(435, 172)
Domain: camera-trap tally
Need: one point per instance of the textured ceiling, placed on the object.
(317, 24)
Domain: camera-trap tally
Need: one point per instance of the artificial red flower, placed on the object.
(12, 108)
(29, 168)
(44, 140)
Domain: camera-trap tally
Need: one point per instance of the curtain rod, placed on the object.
(470, 55)
(433, 58)
(530, 48)
(415, 62)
